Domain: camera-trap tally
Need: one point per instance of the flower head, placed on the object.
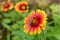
(21, 6)
(35, 22)
(6, 6)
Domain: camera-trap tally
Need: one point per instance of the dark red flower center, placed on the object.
(35, 22)
(23, 7)
(6, 5)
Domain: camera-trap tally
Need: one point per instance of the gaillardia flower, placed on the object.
(35, 22)
(22, 6)
(6, 6)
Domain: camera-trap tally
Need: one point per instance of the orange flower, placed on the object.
(21, 6)
(6, 6)
(35, 22)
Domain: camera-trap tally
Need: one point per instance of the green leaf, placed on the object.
(0, 36)
(54, 7)
(7, 26)
(8, 35)
(56, 18)
(15, 27)
(6, 20)
(53, 31)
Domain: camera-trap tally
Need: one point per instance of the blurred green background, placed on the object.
(11, 23)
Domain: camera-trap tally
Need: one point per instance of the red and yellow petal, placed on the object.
(41, 24)
(21, 6)
(5, 6)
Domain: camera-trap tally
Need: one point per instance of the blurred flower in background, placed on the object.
(5, 6)
(35, 22)
(21, 6)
